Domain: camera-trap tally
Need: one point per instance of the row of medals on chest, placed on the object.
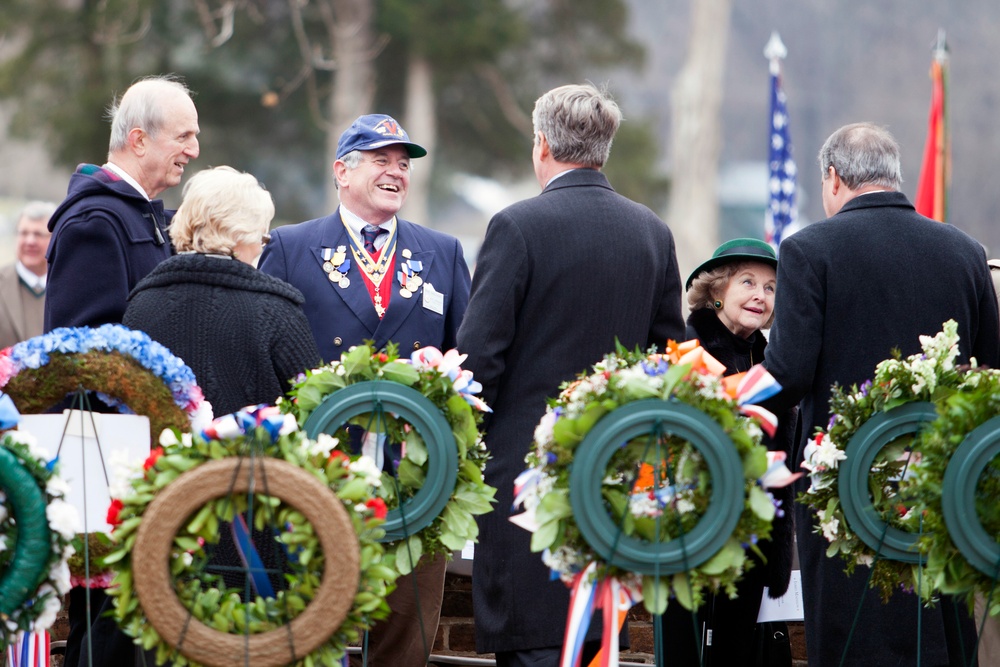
(336, 265)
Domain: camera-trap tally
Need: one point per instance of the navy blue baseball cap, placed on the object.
(375, 131)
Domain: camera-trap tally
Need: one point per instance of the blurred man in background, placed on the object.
(22, 284)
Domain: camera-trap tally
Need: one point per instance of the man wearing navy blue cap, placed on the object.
(368, 275)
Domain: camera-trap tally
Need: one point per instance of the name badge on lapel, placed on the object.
(433, 300)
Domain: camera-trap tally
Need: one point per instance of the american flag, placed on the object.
(782, 211)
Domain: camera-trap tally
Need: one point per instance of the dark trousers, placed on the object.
(406, 637)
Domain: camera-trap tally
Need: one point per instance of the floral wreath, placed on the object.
(947, 568)
(39, 612)
(127, 368)
(205, 596)
(440, 379)
(661, 493)
(930, 376)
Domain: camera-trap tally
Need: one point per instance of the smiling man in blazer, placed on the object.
(368, 275)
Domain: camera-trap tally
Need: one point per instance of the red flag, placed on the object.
(931, 197)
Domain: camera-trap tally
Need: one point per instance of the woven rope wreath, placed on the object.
(313, 519)
(281, 646)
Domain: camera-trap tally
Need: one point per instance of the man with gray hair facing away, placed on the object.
(560, 276)
(22, 284)
(110, 231)
(851, 289)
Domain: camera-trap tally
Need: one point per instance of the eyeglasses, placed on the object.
(265, 239)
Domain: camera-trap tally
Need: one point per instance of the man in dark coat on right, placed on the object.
(870, 279)
(560, 276)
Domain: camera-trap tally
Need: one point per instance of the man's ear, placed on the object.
(834, 179)
(340, 173)
(543, 147)
(138, 140)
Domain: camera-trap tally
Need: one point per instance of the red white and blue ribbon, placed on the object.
(247, 420)
(29, 649)
(757, 385)
(586, 596)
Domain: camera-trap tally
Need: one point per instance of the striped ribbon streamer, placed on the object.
(30, 649)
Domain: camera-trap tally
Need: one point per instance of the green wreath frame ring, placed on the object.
(862, 517)
(170, 510)
(442, 452)
(34, 543)
(715, 526)
(958, 497)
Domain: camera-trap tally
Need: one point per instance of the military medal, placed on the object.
(336, 265)
(408, 275)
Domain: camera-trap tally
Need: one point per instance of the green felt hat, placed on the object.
(737, 250)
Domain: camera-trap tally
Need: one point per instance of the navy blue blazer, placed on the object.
(342, 317)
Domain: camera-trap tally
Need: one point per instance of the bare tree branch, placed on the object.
(505, 97)
(114, 32)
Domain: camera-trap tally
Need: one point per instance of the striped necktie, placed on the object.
(370, 233)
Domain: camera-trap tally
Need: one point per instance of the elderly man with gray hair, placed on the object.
(22, 284)
(870, 279)
(110, 231)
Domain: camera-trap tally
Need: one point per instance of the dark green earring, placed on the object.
(718, 304)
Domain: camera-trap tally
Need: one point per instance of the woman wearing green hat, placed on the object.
(731, 296)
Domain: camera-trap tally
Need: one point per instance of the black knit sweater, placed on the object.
(242, 332)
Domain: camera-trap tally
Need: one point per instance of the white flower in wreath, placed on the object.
(322, 445)
(31, 442)
(60, 577)
(365, 468)
(830, 528)
(822, 454)
(63, 518)
(49, 611)
(543, 432)
(57, 486)
(123, 471)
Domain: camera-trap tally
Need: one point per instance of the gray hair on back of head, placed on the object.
(862, 154)
(141, 106)
(579, 122)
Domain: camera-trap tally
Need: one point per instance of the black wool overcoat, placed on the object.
(559, 278)
(872, 278)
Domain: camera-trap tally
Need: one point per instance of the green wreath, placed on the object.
(649, 454)
(957, 494)
(442, 453)
(201, 609)
(879, 424)
(37, 526)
